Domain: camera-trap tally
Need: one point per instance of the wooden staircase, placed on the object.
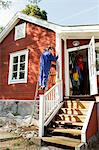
(65, 128)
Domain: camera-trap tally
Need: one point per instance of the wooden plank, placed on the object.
(71, 142)
(63, 130)
(69, 122)
(74, 111)
(71, 117)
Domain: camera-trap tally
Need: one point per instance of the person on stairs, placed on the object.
(45, 64)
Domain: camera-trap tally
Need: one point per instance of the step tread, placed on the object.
(68, 130)
(71, 111)
(72, 115)
(82, 109)
(66, 141)
(70, 122)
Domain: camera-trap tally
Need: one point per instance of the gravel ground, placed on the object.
(21, 144)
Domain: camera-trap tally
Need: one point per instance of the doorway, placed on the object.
(78, 73)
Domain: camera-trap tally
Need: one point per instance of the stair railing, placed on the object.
(48, 102)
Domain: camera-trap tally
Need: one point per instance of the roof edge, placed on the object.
(15, 19)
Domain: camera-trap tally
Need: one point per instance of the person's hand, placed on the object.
(57, 57)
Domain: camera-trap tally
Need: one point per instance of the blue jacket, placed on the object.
(45, 60)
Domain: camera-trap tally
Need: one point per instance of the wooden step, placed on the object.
(72, 117)
(77, 104)
(74, 111)
(63, 130)
(61, 122)
(81, 97)
(65, 141)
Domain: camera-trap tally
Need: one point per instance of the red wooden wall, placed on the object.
(37, 38)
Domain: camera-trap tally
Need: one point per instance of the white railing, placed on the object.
(48, 102)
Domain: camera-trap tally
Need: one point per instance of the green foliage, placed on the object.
(34, 1)
(17, 144)
(7, 149)
(1, 29)
(34, 10)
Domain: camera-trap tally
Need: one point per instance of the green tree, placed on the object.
(34, 10)
(34, 1)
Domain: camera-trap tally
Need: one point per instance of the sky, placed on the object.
(63, 12)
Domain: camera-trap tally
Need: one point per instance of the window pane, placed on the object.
(97, 65)
(21, 75)
(22, 58)
(15, 67)
(15, 59)
(97, 60)
(14, 75)
(22, 66)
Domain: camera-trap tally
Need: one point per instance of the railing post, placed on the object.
(41, 116)
(61, 88)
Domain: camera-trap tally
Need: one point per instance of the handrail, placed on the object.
(52, 88)
(48, 103)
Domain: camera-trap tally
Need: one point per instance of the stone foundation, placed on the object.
(22, 108)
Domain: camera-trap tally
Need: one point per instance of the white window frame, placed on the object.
(20, 31)
(12, 55)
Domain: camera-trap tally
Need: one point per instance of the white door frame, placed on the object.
(67, 51)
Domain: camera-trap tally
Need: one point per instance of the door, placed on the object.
(92, 67)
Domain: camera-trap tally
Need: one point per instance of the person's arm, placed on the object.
(53, 58)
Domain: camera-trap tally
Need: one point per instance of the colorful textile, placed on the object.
(45, 65)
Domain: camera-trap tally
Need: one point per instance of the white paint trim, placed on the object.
(67, 51)
(20, 31)
(53, 114)
(77, 48)
(67, 71)
(9, 27)
(86, 122)
(85, 30)
(41, 116)
(16, 18)
(92, 67)
(18, 53)
(81, 47)
(59, 61)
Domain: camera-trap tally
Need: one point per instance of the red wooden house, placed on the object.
(21, 44)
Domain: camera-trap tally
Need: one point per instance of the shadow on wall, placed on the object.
(36, 40)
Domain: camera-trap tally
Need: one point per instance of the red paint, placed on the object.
(36, 39)
(82, 42)
(93, 124)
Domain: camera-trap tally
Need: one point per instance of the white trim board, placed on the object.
(16, 18)
(67, 51)
(81, 47)
(64, 30)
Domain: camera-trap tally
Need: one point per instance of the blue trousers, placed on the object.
(43, 78)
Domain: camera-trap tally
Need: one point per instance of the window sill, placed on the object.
(16, 82)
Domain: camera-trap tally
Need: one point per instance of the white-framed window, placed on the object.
(20, 31)
(18, 67)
